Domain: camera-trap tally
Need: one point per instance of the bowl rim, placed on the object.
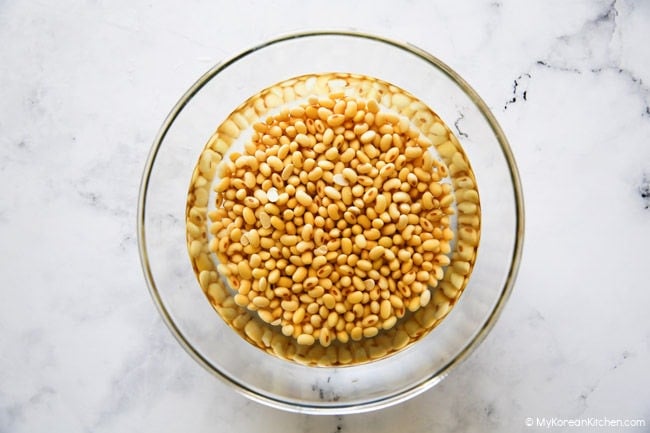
(428, 381)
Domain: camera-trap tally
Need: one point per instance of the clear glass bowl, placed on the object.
(202, 332)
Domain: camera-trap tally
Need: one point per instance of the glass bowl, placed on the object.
(206, 336)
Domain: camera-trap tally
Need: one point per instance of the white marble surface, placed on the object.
(85, 86)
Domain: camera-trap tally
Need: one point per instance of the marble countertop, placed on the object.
(85, 87)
